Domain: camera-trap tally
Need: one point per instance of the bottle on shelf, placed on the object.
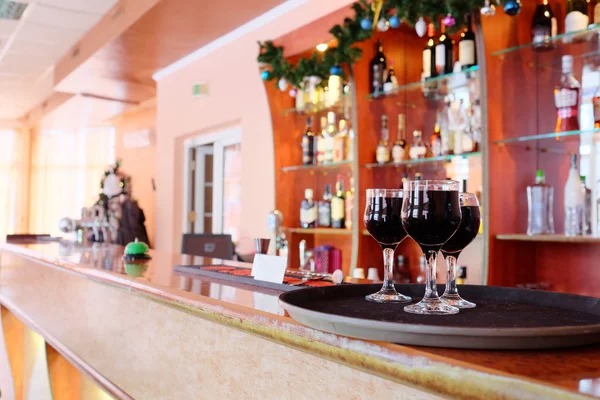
(444, 61)
(540, 206)
(577, 15)
(429, 70)
(329, 137)
(543, 27)
(467, 54)
(404, 180)
(566, 98)
(587, 208)
(391, 82)
(308, 210)
(334, 90)
(382, 153)
(320, 141)
(419, 176)
(308, 144)
(461, 275)
(350, 145)
(340, 141)
(325, 208)
(349, 204)
(436, 142)
(338, 206)
(399, 148)
(377, 68)
(574, 201)
(418, 149)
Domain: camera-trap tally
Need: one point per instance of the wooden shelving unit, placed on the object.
(549, 238)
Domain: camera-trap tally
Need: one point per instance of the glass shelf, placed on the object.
(320, 231)
(565, 43)
(544, 136)
(341, 107)
(548, 238)
(453, 80)
(316, 166)
(422, 160)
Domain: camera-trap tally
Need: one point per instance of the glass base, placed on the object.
(388, 296)
(431, 307)
(457, 301)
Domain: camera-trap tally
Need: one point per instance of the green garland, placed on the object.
(350, 32)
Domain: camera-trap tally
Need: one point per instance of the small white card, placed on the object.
(269, 268)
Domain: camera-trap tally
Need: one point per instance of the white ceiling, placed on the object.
(30, 47)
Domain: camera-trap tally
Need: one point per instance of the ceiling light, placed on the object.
(322, 47)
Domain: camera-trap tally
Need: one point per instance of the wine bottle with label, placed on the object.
(308, 144)
(377, 69)
(340, 142)
(399, 149)
(543, 27)
(419, 148)
(338, 206)
(444, 62)
(325, 208)
(467, 55)
(329, 138)
(308, 210)
(429, 54)
(382, 153)
(577, 17)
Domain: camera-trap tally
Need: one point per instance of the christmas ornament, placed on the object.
(449, 20)
(488, 10)
(383, 25)
(264, 75)
(335, 70)
(282, 84)
(293, 92)
(421, 27)
(394, 21)
(366, 24)
(512, 7)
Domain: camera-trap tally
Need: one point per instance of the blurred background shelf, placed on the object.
(317, 166)
(548, 238)
(320, 231)
(423, 160)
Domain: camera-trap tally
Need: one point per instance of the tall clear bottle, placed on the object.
(540, 200)
(587, 208)
(566, 98)
(574, 201)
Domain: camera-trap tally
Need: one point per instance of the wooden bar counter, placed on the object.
(155, 334)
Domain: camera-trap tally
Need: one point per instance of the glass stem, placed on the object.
(430, 278)
(451, 275)
(388, 269)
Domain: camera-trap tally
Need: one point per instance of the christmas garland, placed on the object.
(380, 15)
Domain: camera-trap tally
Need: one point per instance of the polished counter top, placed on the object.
(456, 373)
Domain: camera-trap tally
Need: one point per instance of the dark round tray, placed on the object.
(505, 318)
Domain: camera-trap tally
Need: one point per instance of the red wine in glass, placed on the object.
(431, 215)
(467, 231)
(383, 220)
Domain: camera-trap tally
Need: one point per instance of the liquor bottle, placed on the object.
(399, 149)
(338, 206)
(467, 55)
(334, 90)
(444, 62)
(340, 141)
(391, 82)
(404, 180)
(574, 201)
(597, 12)
(566, 98)
(540, 200)
(429, 54)
(436, 142)
(461, 275)
(418, 149)
(382, 154)
(308, 144)
(320, 141)
(577, 15)
(587, 208)
(308, 210)
(377, 68)
(349, 204)
(329, 138)
(543, 27)
(325, 208)
(418, 176)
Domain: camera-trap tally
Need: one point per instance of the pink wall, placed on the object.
(237, 97)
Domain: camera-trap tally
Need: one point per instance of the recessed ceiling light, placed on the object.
(322, 47)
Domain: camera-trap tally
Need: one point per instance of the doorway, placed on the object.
(212, 181)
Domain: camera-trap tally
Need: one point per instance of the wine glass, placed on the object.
(469, 226)
(384, 223)
(431, 215)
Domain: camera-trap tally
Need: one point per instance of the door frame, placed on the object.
(219, 139)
